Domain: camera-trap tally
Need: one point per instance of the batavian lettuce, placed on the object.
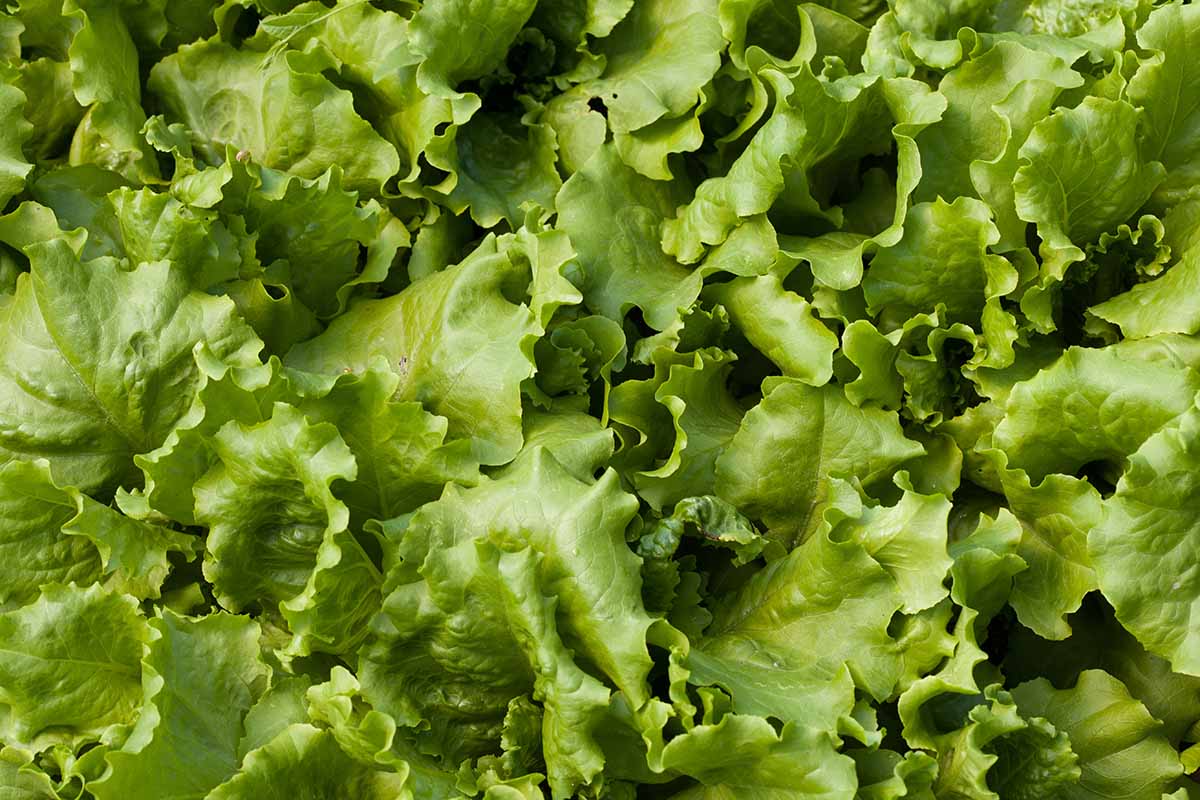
(599, 399)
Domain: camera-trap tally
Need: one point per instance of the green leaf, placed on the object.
(1035, 762)
(77, 196)
(160, 26)
(306, 761)
(1099, 642)
(985, 563)
(370, 737)
(22, 782)
(580, 132)
(59, 535)
(576, 352)
(1074, 159)
(33, 549)
(622, 264)
(1143, 548)
(401, 450)
(711, 518)
(992, 103)
(361, 731)
(570, 21)
(13, 166)
(1056, 517)
(781, 325)
(886, 775)
(994, 730)
(54, 112)
(70, 662)
(104, 69)
(808, 127)
(781, 34)
(136, 555)
(154, 226)
(804, 437)
(1159, 306)
(793, 644)
(942, 259)
(116, 381)
(200, 677)
(226, 393)
(598, 399)
(925, 32)
(573, 703)
(457, 590)
(743, 756)
(504, 161)
(649, 149)
(461, 41)
(409, 106)
(1090, 405)
(281, 705)
(318, 228)
(1063, 19)
(461, 338)
(278, 536)
(1164, 87)
(276, 316)
(283, 112)
(706, 417)
(909, 541)
(578, 442)
(1121, 749)
(836, 258)
(658, 58)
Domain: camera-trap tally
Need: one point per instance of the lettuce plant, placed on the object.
(616, 399)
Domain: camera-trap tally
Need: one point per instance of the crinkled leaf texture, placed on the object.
(98, 365)
(71, 661)
(599, 399)
(524, 571)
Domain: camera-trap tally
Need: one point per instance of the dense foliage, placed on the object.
(609, 399)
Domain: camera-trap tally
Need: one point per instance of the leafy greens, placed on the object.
(616, 399)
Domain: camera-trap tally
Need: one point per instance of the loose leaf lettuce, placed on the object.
(599, 399)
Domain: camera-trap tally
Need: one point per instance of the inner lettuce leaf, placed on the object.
(532, 566)
(294, 531)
